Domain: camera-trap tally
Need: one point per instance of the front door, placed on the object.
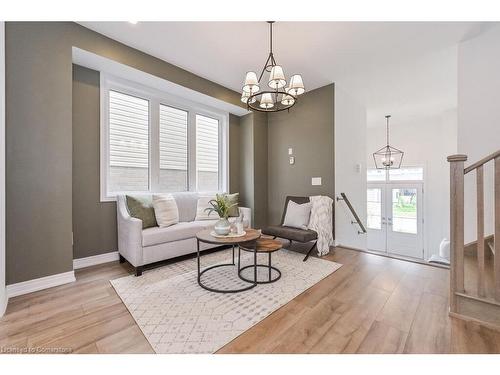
(404, 220)
(394, 218)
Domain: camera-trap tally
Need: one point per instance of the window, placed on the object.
(406, 174)
(401, 174)
(173, 149)
(375, 174)
(207, 153)
(154, 142)
(128, 143)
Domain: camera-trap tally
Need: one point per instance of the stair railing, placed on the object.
(459, 300)
(356, 220)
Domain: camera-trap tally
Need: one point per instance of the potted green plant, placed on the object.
(221, 206)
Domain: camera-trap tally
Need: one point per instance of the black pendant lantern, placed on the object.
(388, 157)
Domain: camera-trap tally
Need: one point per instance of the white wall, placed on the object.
(479, 116)
(3, 297)
(350, 150)
(426, 142)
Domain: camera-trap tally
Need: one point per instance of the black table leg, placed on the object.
(198, 256)
(239, 257)
(255, 262)
(270, 267)
(201, 272)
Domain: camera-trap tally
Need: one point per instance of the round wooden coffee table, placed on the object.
(206, 237)
(261, 245)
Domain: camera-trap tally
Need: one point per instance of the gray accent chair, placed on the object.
(293, 234)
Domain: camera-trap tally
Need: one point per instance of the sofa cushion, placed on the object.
(176, 232)
(141, 207)
(294, 234)
(166, 211)
(234, 199)
(202, 206)
(186, 204)
(297, 215)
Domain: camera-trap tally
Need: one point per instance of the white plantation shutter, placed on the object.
(173, 149)
(128, 142)
(207, 153)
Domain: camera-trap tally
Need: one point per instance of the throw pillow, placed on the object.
(232, 199)
(166, 211)
(141, 207)
(297, 215)
(202, 204)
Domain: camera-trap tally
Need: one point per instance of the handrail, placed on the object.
(482, 161)
(353, 212)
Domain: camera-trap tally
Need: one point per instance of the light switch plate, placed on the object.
(290, 151)
(316, 181)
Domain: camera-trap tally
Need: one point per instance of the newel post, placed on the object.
(456, 227)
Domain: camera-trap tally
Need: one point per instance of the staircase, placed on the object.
(482, 304)
(477, 305)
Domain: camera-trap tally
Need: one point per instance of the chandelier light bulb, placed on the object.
(287, 100)
(245, 96)
(251, 84)
(296, 85)
(277, 77)
(266, 101)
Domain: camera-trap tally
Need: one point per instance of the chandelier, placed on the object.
(388, 157)
(279, 96)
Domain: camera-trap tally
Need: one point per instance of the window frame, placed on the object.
(387, 178)
(156, 98)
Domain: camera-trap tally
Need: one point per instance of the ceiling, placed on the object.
(388, 66)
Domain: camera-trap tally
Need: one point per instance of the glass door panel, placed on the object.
(404, 220)
(374, 205)
(376, 223)
(404, 210)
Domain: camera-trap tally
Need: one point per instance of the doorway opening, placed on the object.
(395, 211)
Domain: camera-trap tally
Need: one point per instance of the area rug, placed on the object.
(178, 316)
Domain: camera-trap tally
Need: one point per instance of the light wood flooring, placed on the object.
(372, 304)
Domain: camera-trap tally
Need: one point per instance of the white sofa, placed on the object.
(141, 247)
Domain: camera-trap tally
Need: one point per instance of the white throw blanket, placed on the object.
(321, 222)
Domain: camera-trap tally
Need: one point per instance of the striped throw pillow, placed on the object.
(166, 210)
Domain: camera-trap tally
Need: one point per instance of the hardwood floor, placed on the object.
(372, 304)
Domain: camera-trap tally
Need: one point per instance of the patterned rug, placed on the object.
(178, 316)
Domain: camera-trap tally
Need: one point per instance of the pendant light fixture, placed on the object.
(277, 96)
(388, 157)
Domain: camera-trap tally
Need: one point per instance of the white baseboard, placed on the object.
(35, 285)
(3, 302)
(94, 260)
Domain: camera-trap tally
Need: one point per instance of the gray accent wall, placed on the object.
(94, 222)
(309, 129)
(39, 140)
(253, 166)
(234, 153)
(260, 146)
(246, 177)
(38, 149)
